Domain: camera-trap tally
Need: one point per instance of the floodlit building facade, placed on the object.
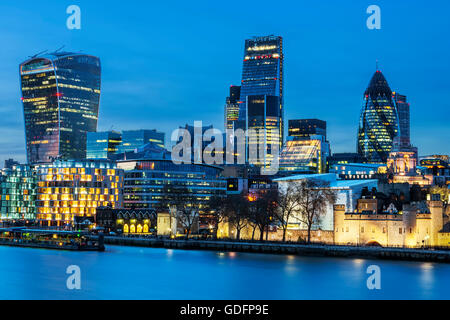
(69, 189)
(418, 224)
(306, 149)
(60, 95)
(17, 193)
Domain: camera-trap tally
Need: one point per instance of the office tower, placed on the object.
(232, 108)
(263, 123)
(70, 189)
(102, 145)
(262, 74)
(305, 128)
(151, 182)
(306, 149)
(133, 139)
(60, 94)
(378, 124)
(17, 193)
(403, 118)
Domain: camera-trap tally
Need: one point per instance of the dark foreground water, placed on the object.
(146, 273)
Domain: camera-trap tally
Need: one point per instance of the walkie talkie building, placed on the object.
(378, 125)
(262, 73)
(61, 95)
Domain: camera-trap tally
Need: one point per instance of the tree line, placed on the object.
(303, 202)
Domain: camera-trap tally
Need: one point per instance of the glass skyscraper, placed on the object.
(232, 108)
(60, 94)
(102, 145)
(262, 73)
(264, 122)
(404, 119)
(306, 149)
(378, 124)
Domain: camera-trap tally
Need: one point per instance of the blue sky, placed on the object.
(167, 63)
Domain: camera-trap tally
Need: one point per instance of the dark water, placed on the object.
(145, 273)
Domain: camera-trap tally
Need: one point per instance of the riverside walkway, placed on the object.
(428, 255)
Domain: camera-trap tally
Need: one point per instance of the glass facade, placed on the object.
(262, 73)
(403, 119)
(18, 193)
(69, 189)
(102, 145)
(133, 139)
(232, 108)
(378, 125)
(150, 182)
(264, 122)
(304, 128)
(305, 155)
(60, 94)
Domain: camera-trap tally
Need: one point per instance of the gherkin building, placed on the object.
(378, 124)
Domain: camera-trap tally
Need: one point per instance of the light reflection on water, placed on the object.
(145, 273)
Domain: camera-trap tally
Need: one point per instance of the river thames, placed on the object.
(148, 273)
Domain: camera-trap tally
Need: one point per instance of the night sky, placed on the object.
(168, 63)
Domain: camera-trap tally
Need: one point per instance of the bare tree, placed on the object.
(217, 207)
(288, 205)
(185, 207)
(314, 198)
(238, 212)
(263, 210)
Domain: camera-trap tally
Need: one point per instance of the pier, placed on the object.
(51, 239)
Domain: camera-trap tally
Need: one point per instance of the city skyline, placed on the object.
(161, 98)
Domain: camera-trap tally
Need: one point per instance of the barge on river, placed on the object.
(51, 239)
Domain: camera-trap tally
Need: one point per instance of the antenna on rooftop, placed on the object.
(60, 49)
(38, 54)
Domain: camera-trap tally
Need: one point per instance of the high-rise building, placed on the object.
(232, 108)
(306, 128)
(133, 139)
(262, 74)
(403, 119)
(306, 149)
(60, 94)
(102, 145)
(378, 124)
(263, 124)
